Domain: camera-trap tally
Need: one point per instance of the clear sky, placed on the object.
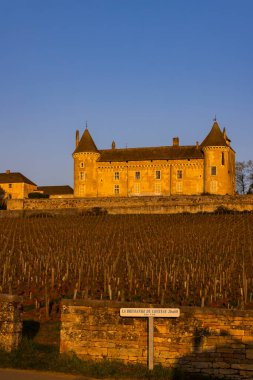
(139, 71)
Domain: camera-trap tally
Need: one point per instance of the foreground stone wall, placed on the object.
(10, 322)
(215, 342)
(139, 205)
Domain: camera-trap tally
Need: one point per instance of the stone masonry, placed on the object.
(138, 205)
(10, 322)
(216, 342)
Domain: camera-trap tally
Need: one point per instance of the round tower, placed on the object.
(85, 157)
(219, 163)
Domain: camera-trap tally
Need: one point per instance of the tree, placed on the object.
(2, 193)
(244, 177)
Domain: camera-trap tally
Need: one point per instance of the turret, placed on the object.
(85, 157)
(219, 162)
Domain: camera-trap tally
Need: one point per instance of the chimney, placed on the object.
(175, 141)
(77, 137)
(7, 172)
(197, 144)
(113, 145)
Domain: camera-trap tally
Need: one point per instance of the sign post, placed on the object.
(150, 313)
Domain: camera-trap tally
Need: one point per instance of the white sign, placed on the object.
(149, 312)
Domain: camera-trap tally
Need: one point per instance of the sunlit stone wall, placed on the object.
(209, 341)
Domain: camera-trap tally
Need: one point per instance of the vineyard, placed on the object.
(202, 260)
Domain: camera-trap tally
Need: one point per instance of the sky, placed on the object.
(138, 71)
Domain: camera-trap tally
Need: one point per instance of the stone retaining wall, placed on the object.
(10, 322)
(139, 205)
(215, 342)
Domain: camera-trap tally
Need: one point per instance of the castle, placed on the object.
(206, 168)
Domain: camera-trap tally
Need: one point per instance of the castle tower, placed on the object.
(85, 157)
(219, 163)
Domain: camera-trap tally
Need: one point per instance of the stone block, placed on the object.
(222, 365)
(249, 353)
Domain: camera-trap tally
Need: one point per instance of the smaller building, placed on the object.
(56, 191)
(15, 185)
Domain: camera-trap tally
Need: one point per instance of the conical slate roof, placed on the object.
(215, 137)
(86, 144)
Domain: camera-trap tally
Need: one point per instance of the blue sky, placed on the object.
(139, 71)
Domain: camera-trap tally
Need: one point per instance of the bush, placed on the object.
(37, 195)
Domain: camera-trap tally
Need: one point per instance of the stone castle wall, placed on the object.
(209, 341)
(139, 205)
(10, 322)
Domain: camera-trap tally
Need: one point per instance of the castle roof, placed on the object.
(15, 178)
(215, 137)
(86, 144)
(56, 190)
(151, 153)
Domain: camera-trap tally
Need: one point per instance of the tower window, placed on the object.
(137, 175)
(116, 175)
(116, 189)
(179, 174)
(10, 185)
(82, 176)
(82, 164)
(158, 174)
(213, 170)
(222, 158)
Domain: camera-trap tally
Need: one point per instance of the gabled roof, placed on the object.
(15, 178)
(215, 137)
(86, 144)
(56, 190)
(152, 153)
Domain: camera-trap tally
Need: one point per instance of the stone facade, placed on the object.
(15, 185)
(209, 341)
(168, 171)
(10, 322)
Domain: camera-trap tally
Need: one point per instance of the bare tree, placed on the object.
(244, 176)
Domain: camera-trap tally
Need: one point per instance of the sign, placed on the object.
(150, 313)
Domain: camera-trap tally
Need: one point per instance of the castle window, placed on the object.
(116, 189)
(158, 174)
(179, 174)
(82, 176)
(137, 175)
(116, 175)
(10, 185)
(222, 158)
(213, 170)
(81, 190)
(157, 188)
(179, 187)
(82, 165)
(137, 188)
(214, 186)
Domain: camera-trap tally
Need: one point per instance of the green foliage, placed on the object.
(37, 195)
